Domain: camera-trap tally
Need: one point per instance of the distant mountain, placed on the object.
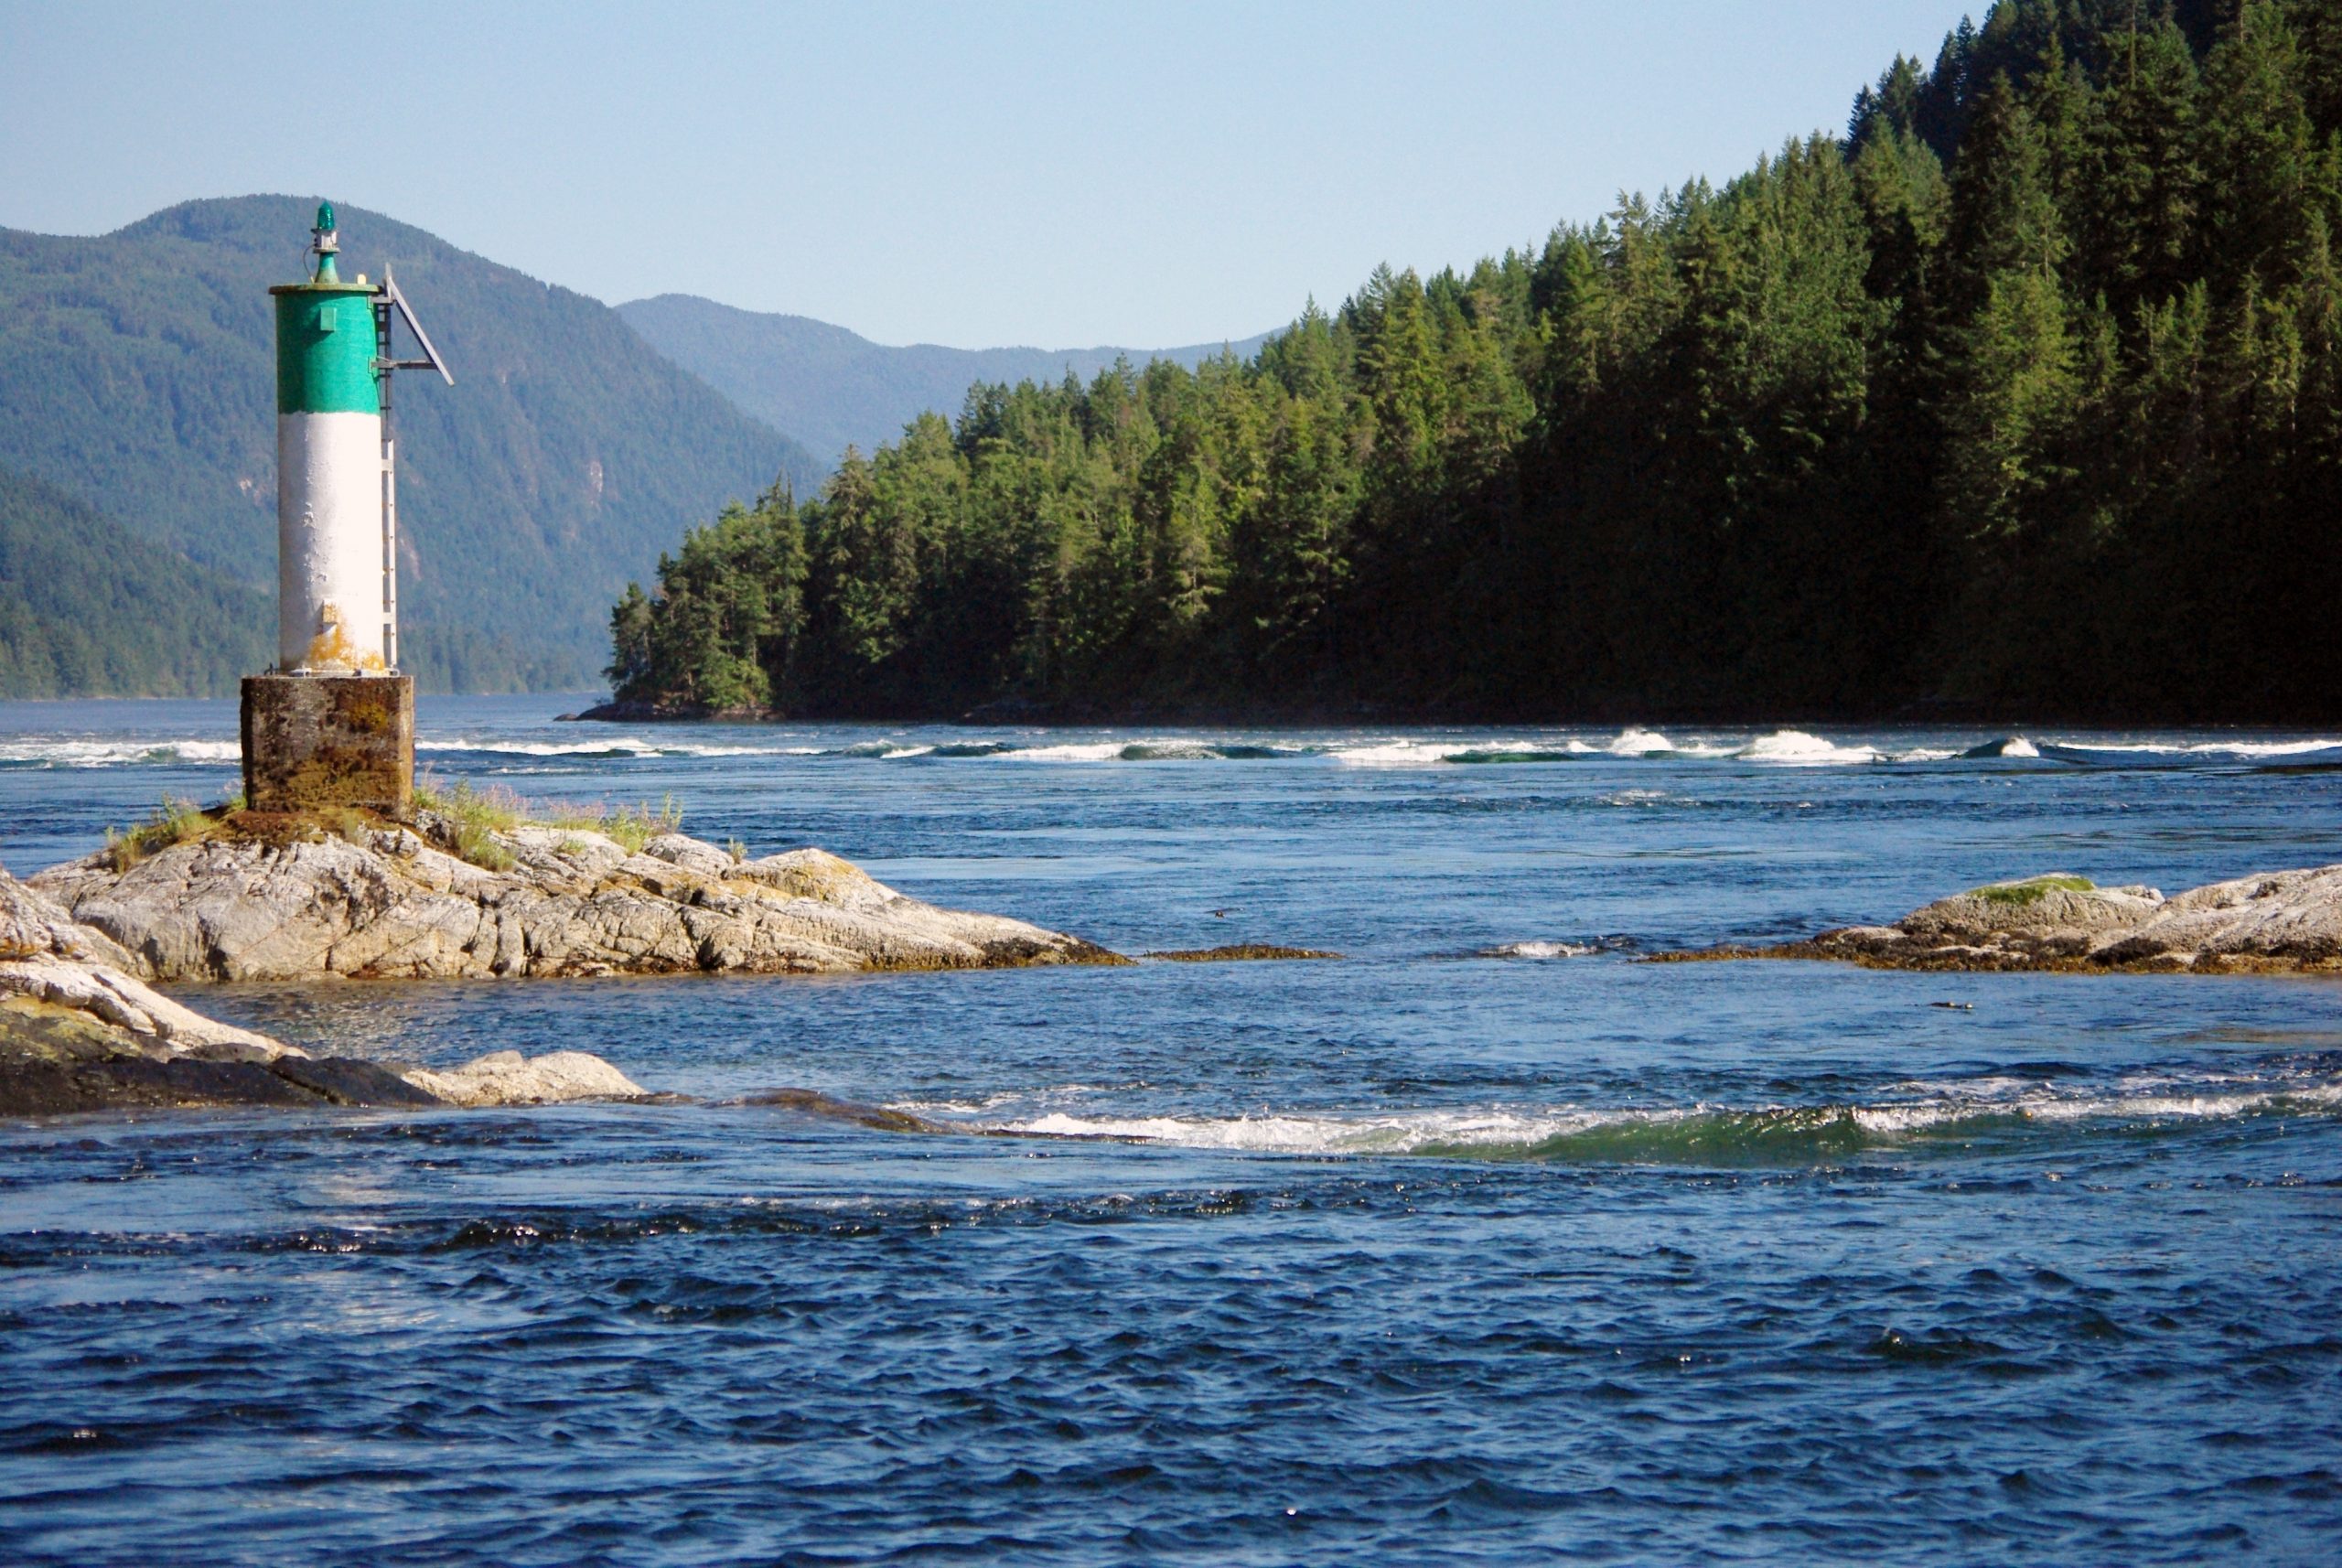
(87, 609)
(136, 373)
(830, 388)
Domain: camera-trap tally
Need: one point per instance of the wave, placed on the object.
(1699, 1134)
(1776, 748)
(615, 747)
(1631, 742)
(1797, 747)
(1785, 747)
(57, 753)
(2007, 745)
(2119, 752)
(1156, 751)
(1538, 950)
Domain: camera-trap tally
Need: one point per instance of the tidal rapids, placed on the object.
(1482, 1243)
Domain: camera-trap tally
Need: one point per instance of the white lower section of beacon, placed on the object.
(329, 595)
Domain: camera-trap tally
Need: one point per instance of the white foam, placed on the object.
(1397, 754)
(60, 752)
(614, 745)
(2201, 749)
(1322, 1134)
(1092, 751)
(1537, 949)
(2270, 748)
(1797, 748)
(1498, 1129)
(1413, 752)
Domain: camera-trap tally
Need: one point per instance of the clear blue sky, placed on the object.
(1055, 175)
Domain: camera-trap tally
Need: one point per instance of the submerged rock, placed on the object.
(814, 1102)
(2277, 922)
(392, 901)
(1237, 952)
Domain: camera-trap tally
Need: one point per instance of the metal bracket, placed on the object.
(431, 360)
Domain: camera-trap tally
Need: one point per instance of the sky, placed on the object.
(1054, 174)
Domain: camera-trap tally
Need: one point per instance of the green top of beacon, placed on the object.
(325, 338)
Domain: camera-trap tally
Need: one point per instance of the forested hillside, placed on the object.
(88, 609)
(2024, 395)
(832, 389)
(138, 376)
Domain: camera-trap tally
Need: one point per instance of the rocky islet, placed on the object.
(2274, 922)
(248, 897)
(380, 900)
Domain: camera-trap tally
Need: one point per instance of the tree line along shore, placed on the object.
(2023, 395)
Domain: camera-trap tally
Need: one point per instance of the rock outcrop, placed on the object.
(79, 1032)
(506, 1078)
(2278, 922)
(392, 901)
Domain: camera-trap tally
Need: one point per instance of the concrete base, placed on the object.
(318, 741)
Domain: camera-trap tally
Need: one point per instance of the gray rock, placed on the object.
(2275, 922)
(79, 1034)
(505, 1078)
(395, 903)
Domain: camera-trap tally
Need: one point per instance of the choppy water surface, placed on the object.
(1485, 1242)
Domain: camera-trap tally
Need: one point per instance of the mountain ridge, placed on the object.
(831, 388)
(555, 470)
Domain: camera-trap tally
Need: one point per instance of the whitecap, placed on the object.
(1698, 1133)
(613, 746)
(2244, 748)
(1305, 1134)
(1537, 949)
(60, 752)
(1798, 748)
(1097, 751)
(2272, 748)
(1410, 753)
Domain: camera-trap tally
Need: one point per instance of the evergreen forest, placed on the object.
(2022, 396)
(87, 609)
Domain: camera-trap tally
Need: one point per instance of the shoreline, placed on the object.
(1600, 715)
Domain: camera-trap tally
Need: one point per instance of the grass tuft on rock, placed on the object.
(175, 821)
(2032, 890)
(498, 808)
(477, 815)
(472, 821)
(630, 827)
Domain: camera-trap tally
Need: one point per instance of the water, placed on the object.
(1426, 1254)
